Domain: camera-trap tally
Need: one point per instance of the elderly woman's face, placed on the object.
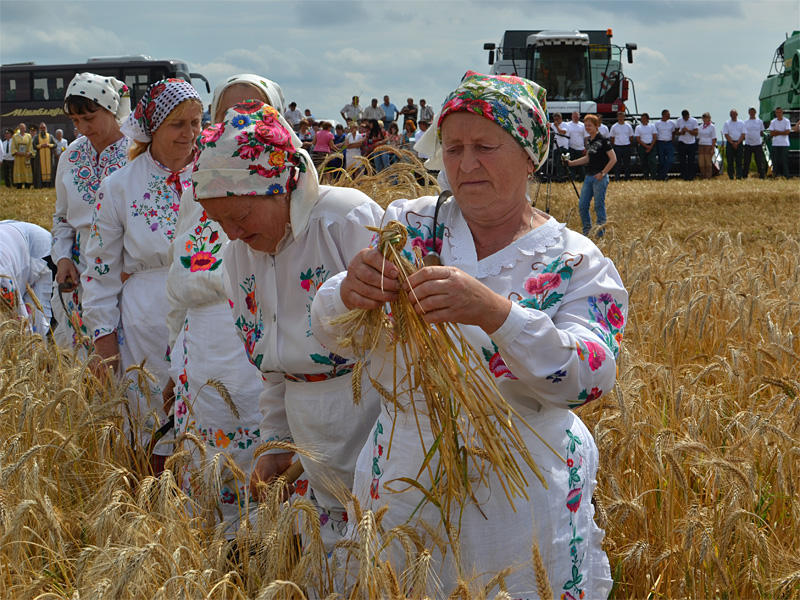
(259, 221)
(486, 167)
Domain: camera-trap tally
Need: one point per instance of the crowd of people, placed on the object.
(30, 159)
(216, 254)
(655, 144)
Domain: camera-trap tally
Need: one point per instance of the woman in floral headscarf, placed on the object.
(543, 307)
(132, 227)
(97, 105)
(288, 235)
(205, 344)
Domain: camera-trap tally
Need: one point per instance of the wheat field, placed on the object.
(699, 441)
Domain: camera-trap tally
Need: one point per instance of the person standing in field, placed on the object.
(61, 145)
(98, 105)
(132, 228)
(734, 132)
(600, 160)
(621, 137)
(8, 158)
(779, 129)
(753, 145)
(577, 140)
(686, 128)
(706, 142)
(22, 150)
(545, 314)
(645, 137)
(44, 145)
(665, 132)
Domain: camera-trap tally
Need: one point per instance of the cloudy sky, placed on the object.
(701, 55)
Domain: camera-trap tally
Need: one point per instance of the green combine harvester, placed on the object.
(782, 88)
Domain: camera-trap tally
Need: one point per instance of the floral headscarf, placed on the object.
(272, 90)
(155, 105)
(254, 152)
(515, 104)
(107, 91)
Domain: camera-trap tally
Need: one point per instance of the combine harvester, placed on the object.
(581, 70)
(782, 88)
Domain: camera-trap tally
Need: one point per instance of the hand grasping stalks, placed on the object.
(473, 427)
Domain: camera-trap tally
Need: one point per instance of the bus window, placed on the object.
(49, 86)
(16, 87)
(137, 80)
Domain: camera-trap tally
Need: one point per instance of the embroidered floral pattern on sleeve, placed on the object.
(497, 365)
(159, 206)
(608, 320)
(311, 280)
(250, 324)
(572, 589)
(202, 247)
(542, 287)
(422, 237)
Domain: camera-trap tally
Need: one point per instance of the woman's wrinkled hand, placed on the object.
(67, 273)
(371, 281)
(267, 468)
(448, 295)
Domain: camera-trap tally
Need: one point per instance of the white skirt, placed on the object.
(324, 421)
(143, 308)
(560, 519)
(210, 349)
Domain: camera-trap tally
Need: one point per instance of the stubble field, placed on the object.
(699, 441)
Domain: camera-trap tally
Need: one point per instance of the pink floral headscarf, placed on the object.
(515, 104)
(254, 152)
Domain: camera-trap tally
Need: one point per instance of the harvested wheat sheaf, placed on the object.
(699, 443)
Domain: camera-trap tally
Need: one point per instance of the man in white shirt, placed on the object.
(753, 128)
(373, 111)
(61, 144)
(621, 134)
(603, 129)
(293, 115)
(734, 132)
(645, 136)
(577, 142)
(390, 112)
(779, 129)
(8, 159)
(665, 131)
(687, 145)
(559, 135)
(352, 111)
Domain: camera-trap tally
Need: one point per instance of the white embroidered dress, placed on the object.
(556, 351)
(307, 394)
(80, 172)
(205, 345)
(134, 223)
(23, 247)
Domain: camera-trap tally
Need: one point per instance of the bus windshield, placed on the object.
(562, 71)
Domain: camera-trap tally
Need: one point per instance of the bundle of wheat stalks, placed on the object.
(473, 427)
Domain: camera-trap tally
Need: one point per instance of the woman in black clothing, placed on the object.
(601, 159)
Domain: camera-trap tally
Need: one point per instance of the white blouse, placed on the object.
(132, 228)
(80, 172)
(271, 297)
(560, 341)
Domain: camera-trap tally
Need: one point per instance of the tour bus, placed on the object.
(32, 94)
